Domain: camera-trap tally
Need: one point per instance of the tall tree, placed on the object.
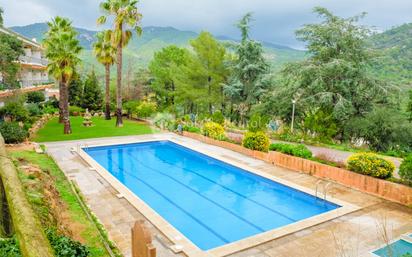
(62, 50)
(105, 54)
(126, 19)
(76, 90)
(335, 77)
(162, 68)
(92, 94)
(248, 82)
(202, 78)
(10, 50)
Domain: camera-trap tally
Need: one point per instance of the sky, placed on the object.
(275, 21)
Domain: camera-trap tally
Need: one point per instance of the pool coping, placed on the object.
(182, 243)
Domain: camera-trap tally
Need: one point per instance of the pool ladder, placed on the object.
(325, 188)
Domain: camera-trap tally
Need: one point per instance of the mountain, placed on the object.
(394, 61)
(141, 49)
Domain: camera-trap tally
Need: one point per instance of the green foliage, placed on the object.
(9, 248)
(370, 164)
(76, 90)
(335, 77)
(92, 98)
(164, 121)
(34, 110)
(64, 246)
(15, 110)
(130, 107)
(258, 123)
(258, 141)
(75, 110)
(199, 82)
(405, 170)
(213, 130)
(383, 129)
(249, 80)
(10, 50)
(12, 132)
(320, 124)
(218, 117)
(295, 150)
(146, 109)
(35, 97)
(191, 129)
(409, 106)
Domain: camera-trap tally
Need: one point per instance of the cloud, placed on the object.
(275, 20)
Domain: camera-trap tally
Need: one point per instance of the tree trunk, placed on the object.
(107, 110)
(60, 102)
(65, 100)
(119, 120)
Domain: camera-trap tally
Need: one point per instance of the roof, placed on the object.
(7, 93)
(21, 37)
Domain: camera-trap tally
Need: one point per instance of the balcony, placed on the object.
(35, 82)
(33, 60)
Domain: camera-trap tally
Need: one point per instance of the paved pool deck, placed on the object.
(353, 234)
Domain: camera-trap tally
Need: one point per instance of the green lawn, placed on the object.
(34, 186)
(53, 131)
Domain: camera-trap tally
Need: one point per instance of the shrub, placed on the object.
(64, 246)
(15, 110)
(405, 170)
(145, 109)
(164, 121)
(295, 150)
(370, 164)
(12, 132)
(49, 109)
(35, 97)
(213, 130)
(257, 123)
(9, 248)
(191, 129)
(258, 141)
(218, 118)
(75, 110)
(130, 107)
(34, 109)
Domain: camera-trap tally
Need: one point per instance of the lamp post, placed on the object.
(293, 114)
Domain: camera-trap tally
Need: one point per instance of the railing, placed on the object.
(33, 60)
(35, 82)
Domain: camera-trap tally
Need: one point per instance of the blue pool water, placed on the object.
(396, 249)
(211, 202)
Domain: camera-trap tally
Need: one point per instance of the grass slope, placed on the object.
(53, 131)
(88, 230)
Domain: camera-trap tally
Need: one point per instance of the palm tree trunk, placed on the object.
(119, 120)
(60, 102)
(107, 110)
(65, 100)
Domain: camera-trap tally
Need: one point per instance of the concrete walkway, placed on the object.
(354, 234)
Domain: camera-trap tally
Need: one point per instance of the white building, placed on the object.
(33, 74)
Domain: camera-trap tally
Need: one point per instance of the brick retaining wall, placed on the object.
(379, 187)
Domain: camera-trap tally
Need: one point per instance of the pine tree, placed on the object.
(92, 94)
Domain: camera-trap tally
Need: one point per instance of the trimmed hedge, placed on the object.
(258, 141)
(371, 164)
(290, 149)
(405, 170)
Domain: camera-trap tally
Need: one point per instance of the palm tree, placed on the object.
(105, 54)
(126, 19)
(62, 50)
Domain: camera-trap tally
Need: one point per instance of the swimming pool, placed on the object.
(398, 248)
(210, 202)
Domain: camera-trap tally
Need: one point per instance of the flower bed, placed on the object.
(382, 188)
